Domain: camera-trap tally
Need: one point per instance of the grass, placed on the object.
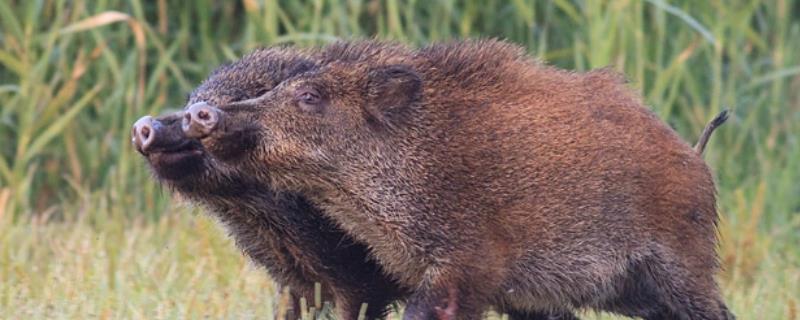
(84, 231)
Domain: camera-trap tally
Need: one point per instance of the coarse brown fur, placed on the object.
(479, 177)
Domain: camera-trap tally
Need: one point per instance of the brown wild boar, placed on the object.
(479, 177)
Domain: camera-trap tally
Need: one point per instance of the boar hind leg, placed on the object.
(638, 295)
(686, 293)
(659, 289)
(669, 315)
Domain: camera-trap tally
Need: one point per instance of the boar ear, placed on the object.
(390, 91)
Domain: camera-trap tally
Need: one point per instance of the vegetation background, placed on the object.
(86, 233)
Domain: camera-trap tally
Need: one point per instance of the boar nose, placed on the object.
(144, 133)
(200, 120)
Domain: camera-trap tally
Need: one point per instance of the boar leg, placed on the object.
(687, 293)
(657, 289)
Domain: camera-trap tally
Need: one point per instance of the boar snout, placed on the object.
(200, 120)
(144, 133)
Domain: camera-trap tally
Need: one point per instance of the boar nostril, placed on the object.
(145, 137)
(145, 132)
(203, 115)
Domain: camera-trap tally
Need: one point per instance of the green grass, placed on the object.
(85, 232)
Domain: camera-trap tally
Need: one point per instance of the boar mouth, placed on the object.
(177, 161)
(185, 149)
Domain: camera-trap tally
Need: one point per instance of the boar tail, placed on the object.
(709, 129)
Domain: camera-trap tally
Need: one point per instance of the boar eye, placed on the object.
(308, 99)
